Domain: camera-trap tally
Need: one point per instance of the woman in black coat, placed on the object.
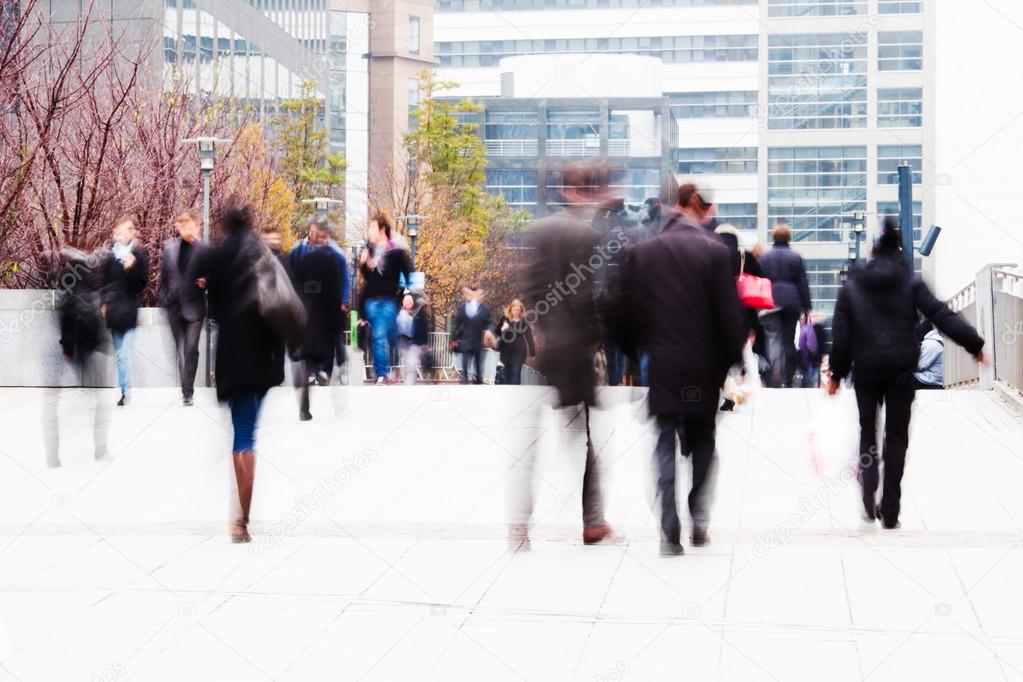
(873, 334)
(249, 356)
(125, 277)
(317, 278)
(515, 342)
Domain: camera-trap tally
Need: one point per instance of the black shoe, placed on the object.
(672, 549)
(304, 416)
(728, 405)
(700, 538)
(187, 401)
(122, 401)
(887, 524)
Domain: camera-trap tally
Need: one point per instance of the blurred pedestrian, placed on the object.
(250, 353)
(413, 334)
(182, 280)
(384, 264)
(515, 342)
(472, 321)
(319, 238)
(125, 277)
(741, 261)
(787, 272)
(558, 287)
(315, 272)
(82, 339)
(930, 366)
(681, 306)
(873, 336)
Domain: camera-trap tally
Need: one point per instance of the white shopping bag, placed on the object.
(834, 437)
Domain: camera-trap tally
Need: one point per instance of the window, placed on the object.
(517, 186)
(413, 103)
(899, 7)
(900, 51)
(725, 104)
(815, 189)
(413, 35)
(717, 160)
(887, 208)
(817, 81)
(824, 275)
(573, 133)
(900, 107)
(743, 216)
(890, 157)
(815, 8)
(513, 5)
(715, 48)
(635, 184)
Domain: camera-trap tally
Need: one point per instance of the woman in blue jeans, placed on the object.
(383, 263)
(249, 356)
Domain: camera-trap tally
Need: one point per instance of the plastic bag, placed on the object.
(834, 438)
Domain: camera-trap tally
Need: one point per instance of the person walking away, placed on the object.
(557, 287)
(125, 277)
(249, 355)
(873, 336)
(930, 367)
(318, 236)
(315, 276)
(515, 342)
(741, 261)
(681, 307)
(787, 272)
(181, 294)
(472, 319)
(81, 338)
(413, 333)
(383, 264)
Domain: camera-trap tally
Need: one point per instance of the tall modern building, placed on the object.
(795, 111)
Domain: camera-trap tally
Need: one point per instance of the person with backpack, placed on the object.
(873, 335)
(250, 345)
(125, 277)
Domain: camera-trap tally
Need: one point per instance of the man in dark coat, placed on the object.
(472, 319)
(787, 272)
(182, 281)
(316, 276)
(558, 289)
(873, 334)
(125, 277)
(681, 307)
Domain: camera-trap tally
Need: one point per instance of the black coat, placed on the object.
(385, 281)
(249, 357)
(122, 288)
(787, 272)
(558, 287)
(179, 293)
(516, 342)
(469, 330)
(876, 315)
(316, 275)
(681, 306)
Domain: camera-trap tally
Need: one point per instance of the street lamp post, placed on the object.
(859, 227)
(207, 160)
(322, 205)
(412, 227)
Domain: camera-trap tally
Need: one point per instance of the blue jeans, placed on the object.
(244, 415)
(123, 342)
(382, 314)
(513, 374)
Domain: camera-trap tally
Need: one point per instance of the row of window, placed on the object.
(714, 48)
(514, 5)
(835, 8)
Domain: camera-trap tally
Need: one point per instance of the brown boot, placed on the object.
(244, 474)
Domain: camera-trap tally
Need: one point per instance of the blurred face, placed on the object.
(187, 229)
(272, 240)
(124, 232)
(517, 311)
(375, 234)
(317, 236)
(407, 302)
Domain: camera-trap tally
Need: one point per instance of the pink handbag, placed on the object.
(754, 292)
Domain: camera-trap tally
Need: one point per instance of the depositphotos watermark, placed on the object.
(313, 501)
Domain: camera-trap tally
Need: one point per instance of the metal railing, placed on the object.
(960, 367)
(512, 147)
(1008, 316)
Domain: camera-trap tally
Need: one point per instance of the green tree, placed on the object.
(307, 165)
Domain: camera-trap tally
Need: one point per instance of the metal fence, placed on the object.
(960, 367)
(1008, 318)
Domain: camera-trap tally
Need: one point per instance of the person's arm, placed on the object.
(803, 286)
(162, 290)
(950, 324)
(530, 346)
(840, 360)
(137, 276)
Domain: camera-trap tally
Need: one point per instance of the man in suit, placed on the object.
(182, 280)
(680, 306)
(471, 321)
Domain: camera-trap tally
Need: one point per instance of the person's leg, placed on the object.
(868, 399)
(244, 416)
(376, 311)
(477, 360)
(513, 374)
(177, 326)
(775, 351)
(593, 496)
(302, 371)
(51, 425)
(466, 361)
(100, 415)
(614, 365)
(898, 411)
(193, 332)
(523, 444)
(790, 320)
(699, 437)
(665, 455)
